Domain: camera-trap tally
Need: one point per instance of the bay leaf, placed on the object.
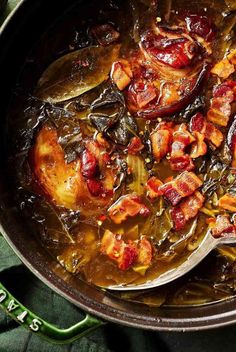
(76, 73)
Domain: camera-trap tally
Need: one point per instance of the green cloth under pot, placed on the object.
(50, 306)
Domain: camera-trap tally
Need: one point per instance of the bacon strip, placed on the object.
(140, 94)
(186, 210)
(228, 202)
(113, 246)
(179, 160)
(145, 252)
(213, 135)
(225, 67)
(161, 139)
(223, 227)
(126, 254)
(198, 123)
(220, 109)
(182, 186)
(121, 74)
(126, 206)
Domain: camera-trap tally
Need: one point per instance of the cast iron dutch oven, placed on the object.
(17, 36)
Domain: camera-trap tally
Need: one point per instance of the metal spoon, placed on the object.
(208, 244)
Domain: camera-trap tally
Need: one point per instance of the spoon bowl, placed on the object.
(208, 244)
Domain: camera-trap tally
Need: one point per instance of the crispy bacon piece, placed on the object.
(121, 73)
(213, 135)
(198, 123)
(200, 25)
(182, 163)
(145, 252)
(191, 205)
(182, 186)
(225, 67)
(220, 109)
(140, 94)
(228, 202)
(199, 147)
(126, 254)
(105, 34)
(135, 146)
(128, 257)
(161, 139)
(179, 160)
(127, 206)
(204, 130)
(113, 246)
(89, 164)
(170, 93)
(223, 227)
(186, 210)
(153, 187)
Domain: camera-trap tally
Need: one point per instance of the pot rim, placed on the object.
(104, 311)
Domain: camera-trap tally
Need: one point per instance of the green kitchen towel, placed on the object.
(109, 338)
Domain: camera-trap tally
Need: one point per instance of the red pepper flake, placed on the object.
(211, 221)
(135, 146)
(102, 217)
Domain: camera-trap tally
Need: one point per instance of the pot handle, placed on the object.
(37, 325)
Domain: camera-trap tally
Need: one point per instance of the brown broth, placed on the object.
(214, 279)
